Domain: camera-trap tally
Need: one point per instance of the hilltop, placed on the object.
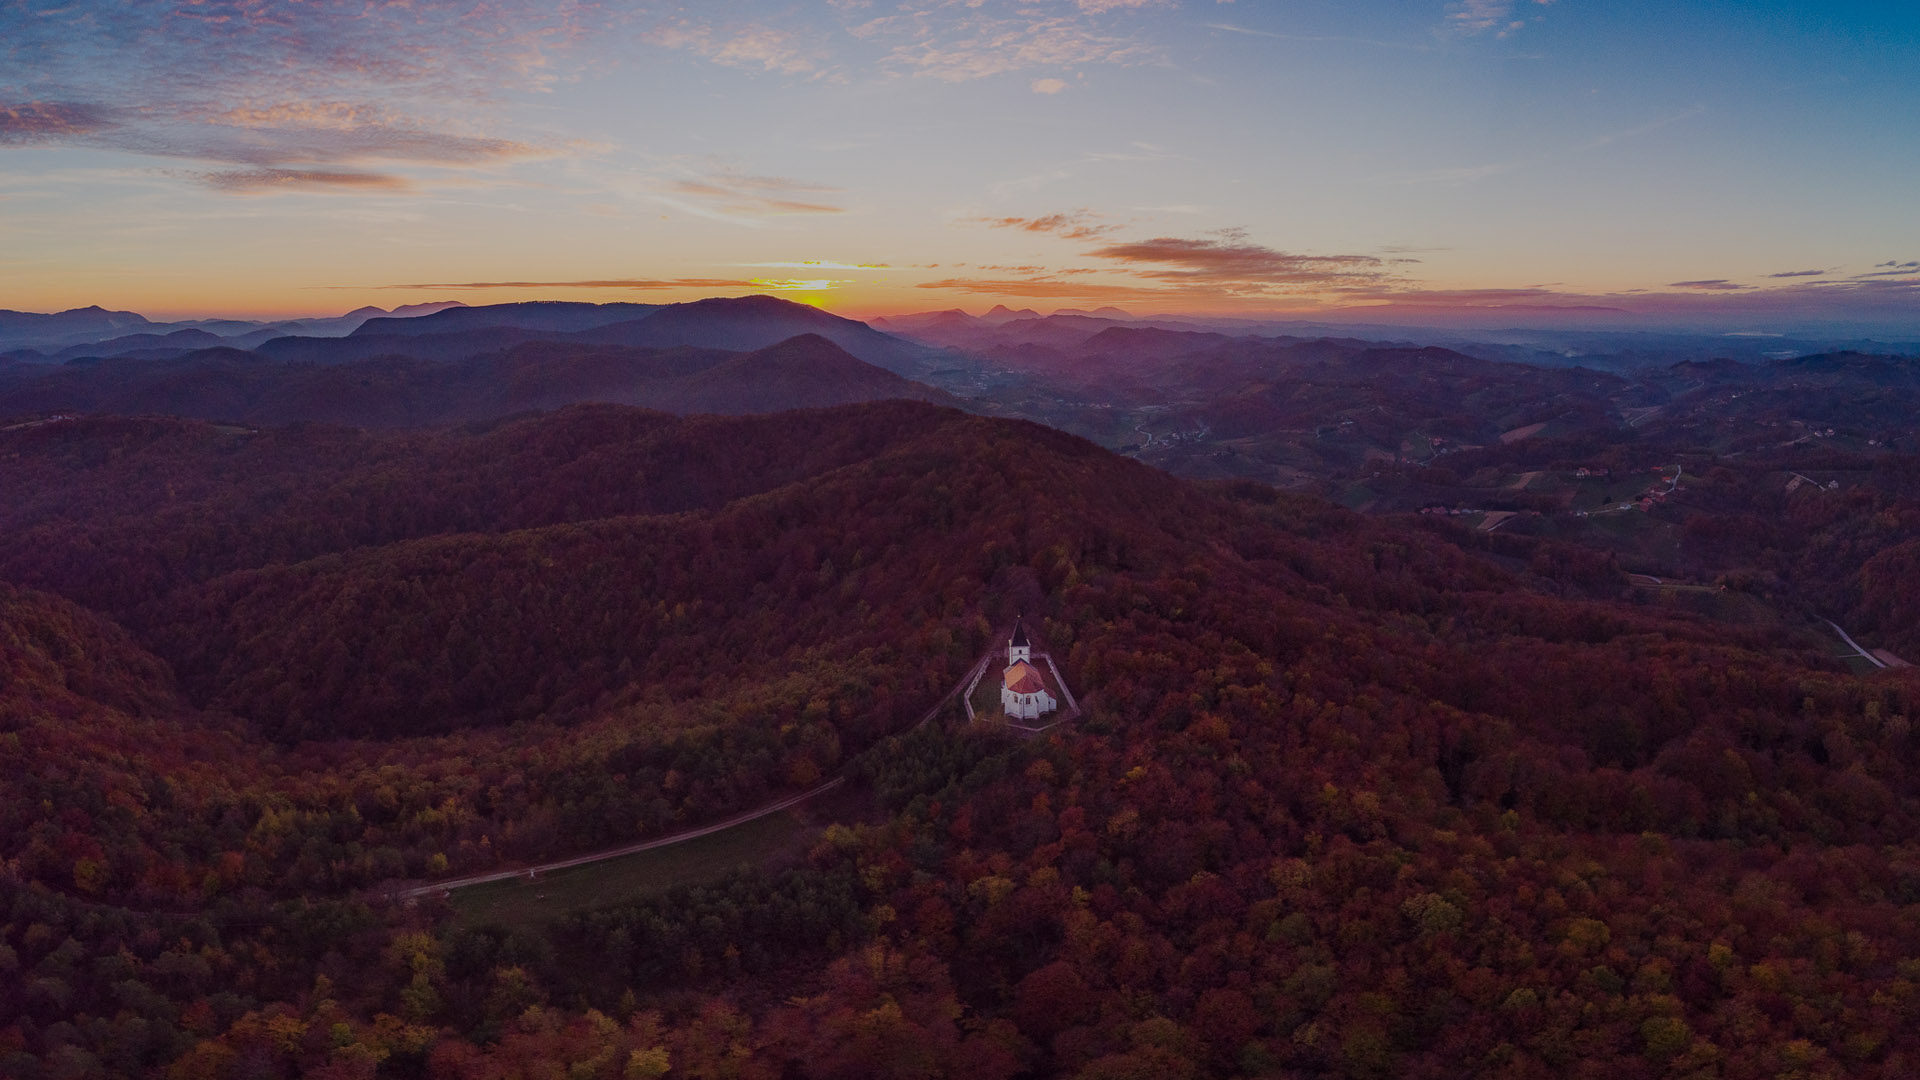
(1345, 795)
(426, 378)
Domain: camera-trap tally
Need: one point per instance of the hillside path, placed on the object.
(682, 837)
(447, 885)
(1854, 645)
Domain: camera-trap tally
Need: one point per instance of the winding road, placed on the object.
(1864, 654)
(410, 893)
(530, 872)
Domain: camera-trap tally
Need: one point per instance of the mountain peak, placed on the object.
(1001, 313)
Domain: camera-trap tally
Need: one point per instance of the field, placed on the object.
(986, 694)
(524, 904)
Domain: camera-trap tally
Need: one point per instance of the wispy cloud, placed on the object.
(1706, 303)
(817, 264)
(262, 181)
(1461, 174)
(1473, 17)
(272, 140)
(1100, 7)
(1082, 224)
(1224, 264)
(750, 45)
(1414, 46)
(1708, 285)
(274, 84)
(48, 121)
(1611, 137)
(1233, 264)
(1892, 268)
(735, 196)
(206, 50)
(1798, 274)
(959, 40)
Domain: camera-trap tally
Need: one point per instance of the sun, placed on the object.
(810, 291)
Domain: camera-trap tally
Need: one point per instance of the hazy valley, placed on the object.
(1536, 754)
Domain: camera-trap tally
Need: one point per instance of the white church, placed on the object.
(1023, 693)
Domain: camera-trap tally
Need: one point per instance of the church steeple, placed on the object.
(1023, 690)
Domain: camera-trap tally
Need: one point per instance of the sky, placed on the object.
(1743, 166)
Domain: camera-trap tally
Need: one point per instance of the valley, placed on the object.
(1429, 714)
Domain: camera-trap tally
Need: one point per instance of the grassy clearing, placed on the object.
(1860, 665)
(528, 905)
(986, 696)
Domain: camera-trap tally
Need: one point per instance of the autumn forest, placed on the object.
(1359, 794)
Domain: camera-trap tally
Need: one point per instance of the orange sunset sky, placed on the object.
(1739, 166)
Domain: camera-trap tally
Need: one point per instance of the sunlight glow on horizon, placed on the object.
(1299, 159)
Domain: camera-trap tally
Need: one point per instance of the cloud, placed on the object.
(343, 140)
(1250, 32)
(1101, 7)
(280, 83)
(308, 115)
(1226, 268)
(1478, 16)
(1142, 151)
(728, 193)
(951, 40)
(1472, 17)
(1708, 285)
(1070, 224)
(1232, 263)
(1798, 273)
(752, 45)
(817, 264)
(261, 181)
(606, 283)
(1461, 174)
(1858, 303)
(961, 40)
(48, 121)
(1232, 29)
(272, 139)
(1224, 264)
(1704, 304)
(206, 50)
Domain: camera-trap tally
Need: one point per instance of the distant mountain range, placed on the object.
(456, 364)
(393, 391)
(95, 331)
(1020, 336)
(558, 316)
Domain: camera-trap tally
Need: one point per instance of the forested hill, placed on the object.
(1347, 799)
(457, 376)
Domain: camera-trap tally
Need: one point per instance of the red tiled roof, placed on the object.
(1023, 678)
